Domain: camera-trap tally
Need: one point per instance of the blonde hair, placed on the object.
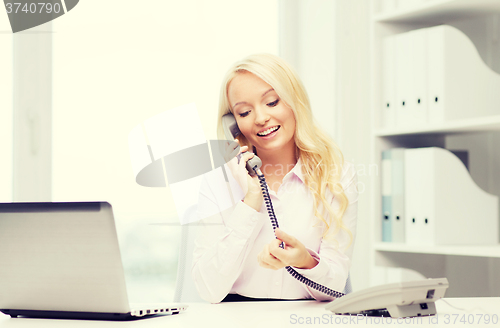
(321, 158)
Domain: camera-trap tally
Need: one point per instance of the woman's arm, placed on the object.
(225, 240)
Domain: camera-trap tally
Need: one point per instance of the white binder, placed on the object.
(459, 86)
(398, 195)
(415, 200)
(388, 82)
(418, 65)
(404, 80)
(436, 74)
(443, 204)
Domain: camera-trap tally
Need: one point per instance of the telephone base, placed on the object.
(400, 311)
(404, 299)
(412, 310)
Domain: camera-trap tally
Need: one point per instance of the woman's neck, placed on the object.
(278, 163)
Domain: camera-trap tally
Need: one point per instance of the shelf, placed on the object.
(478, 251)
(478, 20)
(439, 11)
(477, 124)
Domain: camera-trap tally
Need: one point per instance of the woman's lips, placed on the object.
(270, 135)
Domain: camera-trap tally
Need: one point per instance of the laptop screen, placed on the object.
(60, 257)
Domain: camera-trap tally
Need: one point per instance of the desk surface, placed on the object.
(471, 312)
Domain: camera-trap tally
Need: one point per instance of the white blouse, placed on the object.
(225, 254)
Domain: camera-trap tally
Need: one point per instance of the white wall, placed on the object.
(32, 114)
(307, 42)
(5, 110)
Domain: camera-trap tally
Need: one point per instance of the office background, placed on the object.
(71, 90)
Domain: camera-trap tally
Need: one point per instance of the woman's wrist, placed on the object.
(253, 201)
(308, 263)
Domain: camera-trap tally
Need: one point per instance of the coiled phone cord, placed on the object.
(274, 222)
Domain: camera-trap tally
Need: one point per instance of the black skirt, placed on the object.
(241, 298)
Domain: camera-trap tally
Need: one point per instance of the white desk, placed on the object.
(285, 314)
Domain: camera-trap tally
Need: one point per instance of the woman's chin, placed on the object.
(272, 147)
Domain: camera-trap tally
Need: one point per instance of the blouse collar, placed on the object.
(297, 170)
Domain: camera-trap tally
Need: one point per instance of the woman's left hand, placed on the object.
(295, 253)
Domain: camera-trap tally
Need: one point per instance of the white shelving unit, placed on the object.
(436, 11)
(478, 124)
(480, 21)
(478, 251)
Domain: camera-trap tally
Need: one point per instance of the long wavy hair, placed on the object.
(321, 158)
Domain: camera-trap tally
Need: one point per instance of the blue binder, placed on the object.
(386, 196)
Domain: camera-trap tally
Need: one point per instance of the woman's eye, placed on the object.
(274, 103)
(244, 114)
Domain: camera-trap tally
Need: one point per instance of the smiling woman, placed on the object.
(315, 197)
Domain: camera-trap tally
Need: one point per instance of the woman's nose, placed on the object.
(261, 116)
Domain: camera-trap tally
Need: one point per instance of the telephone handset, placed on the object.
(231, 131)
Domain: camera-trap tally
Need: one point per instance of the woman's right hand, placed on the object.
(249, 185)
